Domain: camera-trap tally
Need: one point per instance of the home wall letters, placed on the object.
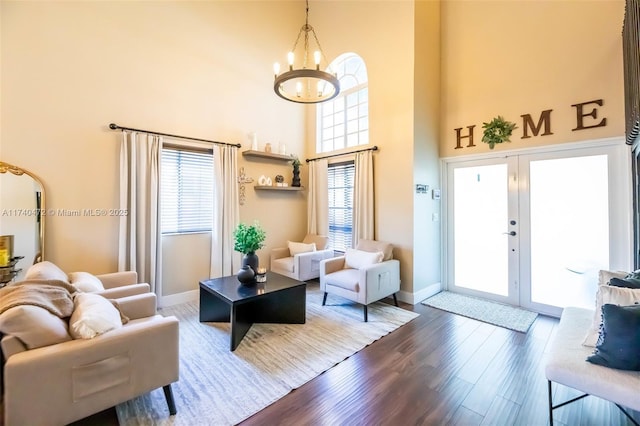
(586, 118)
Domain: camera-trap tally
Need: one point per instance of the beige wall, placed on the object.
(385, 40)
(181, 269)
(426, 220)
(201, 69)
(512, 58)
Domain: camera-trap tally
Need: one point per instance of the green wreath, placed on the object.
(497, 130)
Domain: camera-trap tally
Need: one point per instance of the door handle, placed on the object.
(512, 233)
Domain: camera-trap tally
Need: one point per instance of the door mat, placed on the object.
(483, 310)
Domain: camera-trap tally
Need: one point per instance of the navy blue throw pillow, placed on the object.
(619, 341)
(627, 282)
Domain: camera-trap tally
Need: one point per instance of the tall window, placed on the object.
(340, 187)
(186, 190)
(343, 122)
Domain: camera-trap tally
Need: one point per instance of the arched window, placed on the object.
(343, 122)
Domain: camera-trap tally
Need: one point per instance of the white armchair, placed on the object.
(364, 275)
(301, 261)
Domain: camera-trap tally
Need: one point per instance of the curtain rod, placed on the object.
(114, 126)
(373, 148)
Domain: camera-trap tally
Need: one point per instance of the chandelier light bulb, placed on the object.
(276, 68)
(298, 89)
(290, 59)
(316, 56)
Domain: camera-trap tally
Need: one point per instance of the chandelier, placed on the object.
(305, 85)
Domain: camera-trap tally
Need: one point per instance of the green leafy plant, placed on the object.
(248, 238)
(295, 162)
(497, 130)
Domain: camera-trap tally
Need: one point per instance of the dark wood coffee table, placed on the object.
(280, 300)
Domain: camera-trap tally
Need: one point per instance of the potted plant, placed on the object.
(497, 130)
(295, 162)
(248, 239)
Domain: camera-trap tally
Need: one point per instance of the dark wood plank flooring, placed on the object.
(439, 369)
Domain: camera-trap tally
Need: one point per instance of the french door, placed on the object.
(533, 228)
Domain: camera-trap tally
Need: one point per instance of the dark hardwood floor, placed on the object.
(439, 369)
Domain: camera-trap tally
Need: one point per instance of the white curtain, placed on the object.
(318, 201)
(139, 249)
(224, 260)
(363, 209)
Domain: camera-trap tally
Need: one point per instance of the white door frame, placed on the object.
(512, 205)
(621, 252)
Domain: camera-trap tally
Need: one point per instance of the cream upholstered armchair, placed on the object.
(364, 275)
(301, 261)
(59, 368)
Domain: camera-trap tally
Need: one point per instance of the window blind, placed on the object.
(340, 186)
(186, 191)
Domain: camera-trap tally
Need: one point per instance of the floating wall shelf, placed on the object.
(269, 155)
(280, 188)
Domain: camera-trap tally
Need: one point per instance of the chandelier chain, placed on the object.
(319, 47)
(306, 28)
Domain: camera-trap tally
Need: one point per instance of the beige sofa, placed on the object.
(567, 365)
(576, 339)
(59, 383)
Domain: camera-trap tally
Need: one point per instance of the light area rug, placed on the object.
(220, 387)
(483, 310)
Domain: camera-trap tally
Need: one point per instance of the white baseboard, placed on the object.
(403, 296)
(175, 299)
(415, 298)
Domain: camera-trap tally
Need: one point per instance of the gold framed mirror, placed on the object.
(22, 215)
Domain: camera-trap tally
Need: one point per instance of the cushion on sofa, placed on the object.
(92, 316)
(619, 340)
(358, 259)
(45, 270)
(297, 248)
(375, 246)
(34, 326)
(625, 282)
(605, 276)
(85, 281)
(345, 278)
(612, 295)
(635, 274)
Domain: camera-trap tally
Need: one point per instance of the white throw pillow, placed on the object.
(85, 281)
(358, 259)
(609, 294)
(297, 248)
(45, 270)
(34, 326)
(92, 316)
(605, 276)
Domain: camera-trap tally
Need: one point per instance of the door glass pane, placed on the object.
(480, 220)
(569, 229)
